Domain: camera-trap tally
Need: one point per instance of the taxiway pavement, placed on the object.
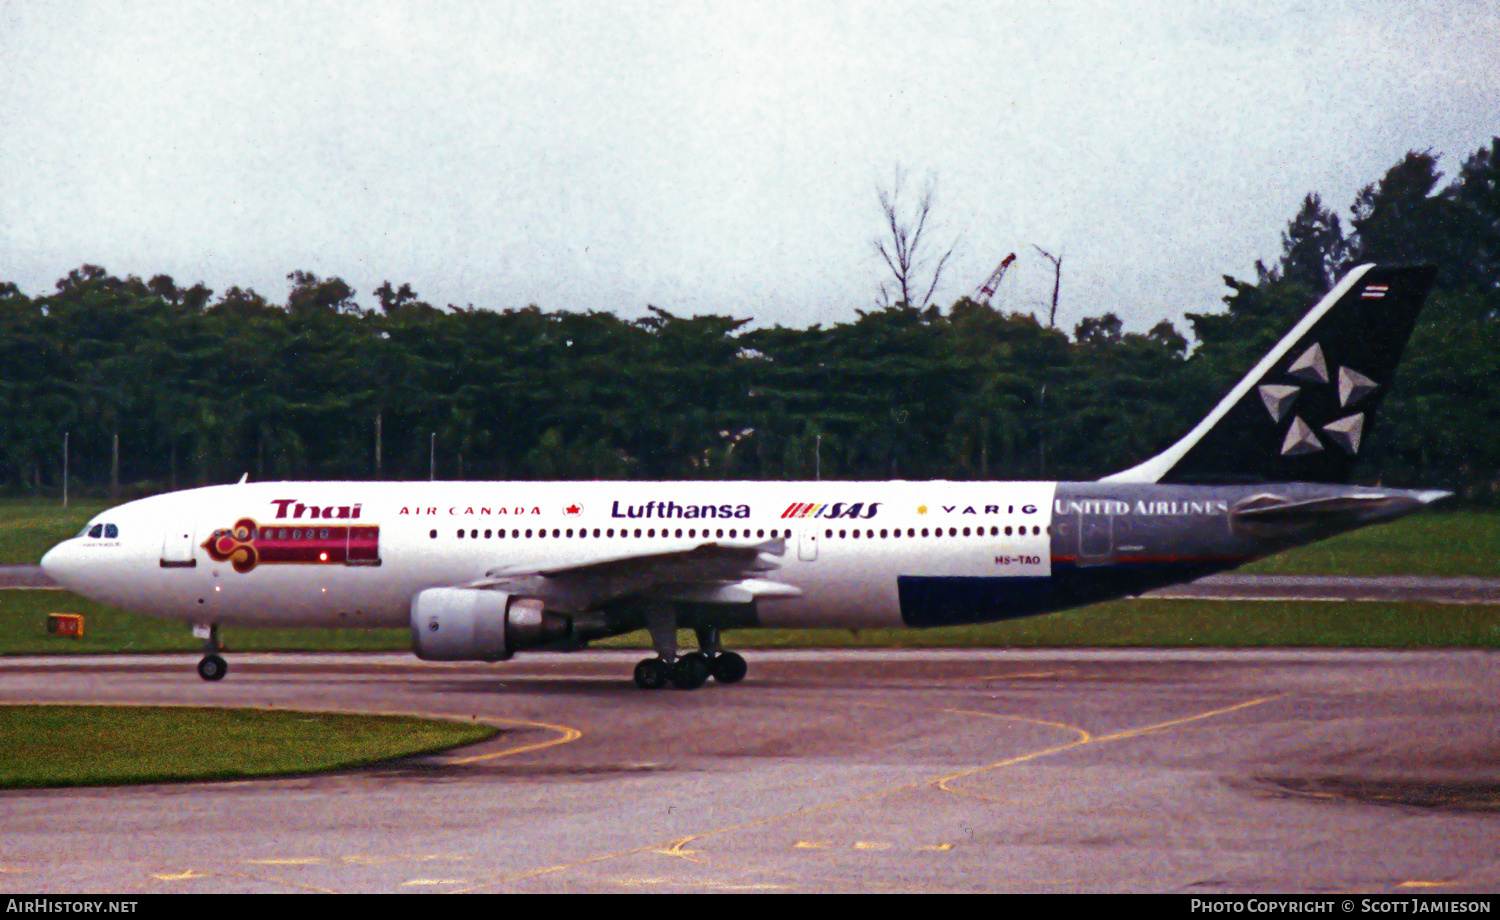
(1141, 770)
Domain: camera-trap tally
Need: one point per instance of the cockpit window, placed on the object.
(96, 531)
(111, 531)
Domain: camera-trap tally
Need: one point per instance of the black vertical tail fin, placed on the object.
(1305, 411)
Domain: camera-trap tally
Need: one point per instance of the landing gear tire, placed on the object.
(212, 667)
(690, 671)
(729, 668)
(651, 674)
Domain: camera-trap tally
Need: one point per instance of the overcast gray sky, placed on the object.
(711, 157)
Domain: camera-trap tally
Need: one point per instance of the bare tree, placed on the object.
(902, 249)
(1056, 281)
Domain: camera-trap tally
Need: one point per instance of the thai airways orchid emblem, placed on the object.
(248, 544)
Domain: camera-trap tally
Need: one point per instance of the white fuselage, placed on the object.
(356, 553)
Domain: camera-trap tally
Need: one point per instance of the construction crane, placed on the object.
(987, 290)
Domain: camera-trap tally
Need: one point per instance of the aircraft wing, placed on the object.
(714, 572)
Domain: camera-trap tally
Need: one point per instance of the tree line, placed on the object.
(158, 386)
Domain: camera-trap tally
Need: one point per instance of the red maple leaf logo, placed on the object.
(573, 510)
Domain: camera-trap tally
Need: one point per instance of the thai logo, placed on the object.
(858, 510)
(248, 544)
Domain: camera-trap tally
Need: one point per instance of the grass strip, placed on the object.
(1163, 624)
(1451, 544)
(110, 745)
(28, 527)
(23, 631)
(1184, 623)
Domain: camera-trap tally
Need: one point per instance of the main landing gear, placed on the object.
(690, 671)
(212, 667)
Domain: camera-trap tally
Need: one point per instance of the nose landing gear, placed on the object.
(212, 666)
(690, 671)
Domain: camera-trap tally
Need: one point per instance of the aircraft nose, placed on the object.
(61, 562)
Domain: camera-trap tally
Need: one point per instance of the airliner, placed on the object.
(481, 570)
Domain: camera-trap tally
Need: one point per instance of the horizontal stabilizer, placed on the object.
(1362, 506)
(1269, 508)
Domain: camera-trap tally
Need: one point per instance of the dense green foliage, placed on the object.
(196, 389)
(108, 745)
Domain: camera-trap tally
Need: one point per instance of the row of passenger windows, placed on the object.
(994, 531)
(583, 532)
(734, 533)
(272, 533)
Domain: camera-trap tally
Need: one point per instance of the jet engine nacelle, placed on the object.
(464, 624)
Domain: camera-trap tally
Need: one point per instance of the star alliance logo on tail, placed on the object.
(1311, 369)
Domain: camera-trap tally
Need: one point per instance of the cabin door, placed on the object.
(177, 545)
(1096, 537)
(807, 542)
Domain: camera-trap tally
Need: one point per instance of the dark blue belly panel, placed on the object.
(951, 600)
